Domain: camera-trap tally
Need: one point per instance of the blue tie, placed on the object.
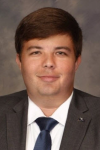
(43, 141)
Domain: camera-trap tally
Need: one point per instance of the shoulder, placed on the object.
(87, 97)
(19, 94)
(84, 95)
(11, 100)
(91, 102)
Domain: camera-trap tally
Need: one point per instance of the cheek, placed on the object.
(29, 68)
(67, 68)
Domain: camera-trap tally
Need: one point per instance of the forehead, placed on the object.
(52, 41)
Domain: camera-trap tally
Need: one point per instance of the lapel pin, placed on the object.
(81, 119)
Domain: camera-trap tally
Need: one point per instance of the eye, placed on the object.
(61, 53)
(36, 53)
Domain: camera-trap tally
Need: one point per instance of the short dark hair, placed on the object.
(47, 22)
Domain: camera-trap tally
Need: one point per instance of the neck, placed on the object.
(48, 111)
(49, 104)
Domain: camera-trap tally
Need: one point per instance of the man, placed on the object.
(49, 44)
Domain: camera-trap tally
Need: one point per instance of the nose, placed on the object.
(49, 62)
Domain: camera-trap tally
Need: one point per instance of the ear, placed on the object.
(18, 61)
(77, 63)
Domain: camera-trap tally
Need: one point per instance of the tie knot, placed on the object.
(45, 123)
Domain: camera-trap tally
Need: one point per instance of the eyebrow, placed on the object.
(34, 47)
(56, 48)
(63, 47)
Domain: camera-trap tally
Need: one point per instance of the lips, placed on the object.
(48, 78)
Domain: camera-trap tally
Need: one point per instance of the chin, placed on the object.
(48, 93)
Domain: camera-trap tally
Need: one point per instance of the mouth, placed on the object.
(48, 78)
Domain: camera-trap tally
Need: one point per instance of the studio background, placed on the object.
(86, 12)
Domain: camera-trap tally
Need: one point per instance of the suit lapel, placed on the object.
(17, 126)
(77, 123)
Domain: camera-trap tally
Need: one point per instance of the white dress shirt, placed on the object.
(33, 130)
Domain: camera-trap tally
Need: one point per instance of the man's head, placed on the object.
(48, 44)
(47, 22)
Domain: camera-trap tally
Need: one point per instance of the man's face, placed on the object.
(48, 65)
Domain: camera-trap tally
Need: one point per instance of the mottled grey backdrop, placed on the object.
(87, 13)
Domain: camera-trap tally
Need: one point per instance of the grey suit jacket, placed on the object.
(82, 129)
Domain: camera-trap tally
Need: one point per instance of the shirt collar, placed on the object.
(60, 114)
(34, 111)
